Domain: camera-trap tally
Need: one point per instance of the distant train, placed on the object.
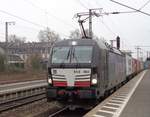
(83, 70)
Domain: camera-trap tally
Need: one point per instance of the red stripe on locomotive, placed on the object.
(60, 83)
(82, 84)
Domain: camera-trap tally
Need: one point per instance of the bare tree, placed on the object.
(48, 35)
(75, 34)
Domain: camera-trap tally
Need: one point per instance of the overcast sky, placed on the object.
(133, 28)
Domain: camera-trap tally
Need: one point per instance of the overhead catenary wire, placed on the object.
(82, 4)
(104, 23)
(123, 12)
(2, 35)
(130, 7)
(25, 20)
(26, 27)
(50, 14)
(97, 3)
(144, 5)
(108, 28)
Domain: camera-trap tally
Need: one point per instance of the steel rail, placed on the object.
(59, 111)
(14, 103)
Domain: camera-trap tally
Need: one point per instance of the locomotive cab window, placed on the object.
(60, 55)
(82, 54)
(75, 54)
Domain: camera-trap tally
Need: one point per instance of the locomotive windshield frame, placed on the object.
(71, 54)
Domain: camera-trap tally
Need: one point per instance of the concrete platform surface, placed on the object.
(139, 103)
(131, 100)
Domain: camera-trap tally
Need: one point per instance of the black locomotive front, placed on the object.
(73, 71)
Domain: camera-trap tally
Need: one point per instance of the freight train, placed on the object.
(84, 70)
(147, 63)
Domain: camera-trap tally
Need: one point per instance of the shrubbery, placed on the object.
(33, 62)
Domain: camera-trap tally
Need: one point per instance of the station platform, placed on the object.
(131, 100)
(13, 87)
(139, 103)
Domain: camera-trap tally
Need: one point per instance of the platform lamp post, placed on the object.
(6, 40)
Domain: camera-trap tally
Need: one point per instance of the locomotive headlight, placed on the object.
(74, 43)
(49, 79)
(94, 79)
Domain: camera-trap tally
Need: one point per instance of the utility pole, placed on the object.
(87, 15)
(90, 23)
(138, 48)
(6, 40)
(6, 43)
(148, 54)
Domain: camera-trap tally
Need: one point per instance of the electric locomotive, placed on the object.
(83, 69)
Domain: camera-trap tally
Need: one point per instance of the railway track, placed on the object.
(66, 112)
(55, 114)
(14, 103)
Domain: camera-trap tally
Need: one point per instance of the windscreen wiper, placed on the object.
(75, 57)
(68, 54)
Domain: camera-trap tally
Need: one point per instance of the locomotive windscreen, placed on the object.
(82, 54)
(72, 54)
(60, 54)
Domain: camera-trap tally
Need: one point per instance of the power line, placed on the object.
(25, 20)
(82, 4)
(49, 13)
(144, 5)
(21, 26)
(32, 4)
(130, 7)
(97, 3)
(2, 36)
(107, 27)
(88, 3)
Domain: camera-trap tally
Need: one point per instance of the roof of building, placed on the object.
(14, 58)
(25, 45)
